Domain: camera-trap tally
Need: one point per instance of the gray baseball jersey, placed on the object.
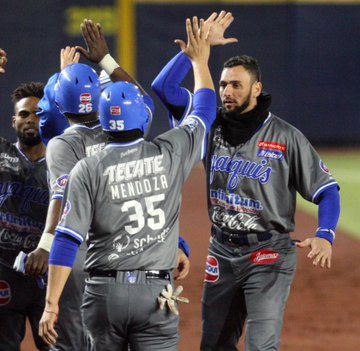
(127, 198)
(24, 198)
(252, 187)
(65, 150)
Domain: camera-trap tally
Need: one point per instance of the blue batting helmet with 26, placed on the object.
(77, 90)
(122, 108)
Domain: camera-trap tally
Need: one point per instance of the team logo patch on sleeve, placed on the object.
(264, 257)
(85, 98)
(191, 122)
(212, 272)
(66, 210)
(5, 293)
(115, 110)
(62, 181)
(323, 167)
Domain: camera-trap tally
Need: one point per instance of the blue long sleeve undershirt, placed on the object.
(328, 213)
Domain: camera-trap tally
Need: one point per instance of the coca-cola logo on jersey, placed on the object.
(211, 269)
(238, 221)
(264, 257)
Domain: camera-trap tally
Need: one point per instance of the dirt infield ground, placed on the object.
(323, 311)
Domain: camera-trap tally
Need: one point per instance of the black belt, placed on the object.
(237, 239)
(153, 274)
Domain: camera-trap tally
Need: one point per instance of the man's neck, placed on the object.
(33, 153)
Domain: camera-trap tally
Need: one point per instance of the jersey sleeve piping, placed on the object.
(203, 142)
(68, 231)
(322, 188)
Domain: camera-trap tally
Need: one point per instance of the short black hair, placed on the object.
(249, 63)
(25, 90)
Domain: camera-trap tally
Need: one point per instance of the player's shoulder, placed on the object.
(6, 144)
(284, 126)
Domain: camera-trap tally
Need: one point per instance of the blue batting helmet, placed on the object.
(122, 108)
(77, 90)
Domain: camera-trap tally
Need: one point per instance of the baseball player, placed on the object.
(255, 164)
(24, 198)
(127, 198)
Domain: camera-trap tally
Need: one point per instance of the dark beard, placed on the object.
(28, 140)
(238, 110)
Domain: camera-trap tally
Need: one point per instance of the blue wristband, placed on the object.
(184, 247)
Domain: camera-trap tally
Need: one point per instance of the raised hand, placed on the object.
(95, 42)
(219, 24)
(3, 60)
(197, 48)
(68, 56)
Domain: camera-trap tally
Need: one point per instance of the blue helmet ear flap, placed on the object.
(122, 108)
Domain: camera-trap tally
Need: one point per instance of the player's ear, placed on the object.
(13, 120)
(257, 89)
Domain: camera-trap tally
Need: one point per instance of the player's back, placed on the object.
(134, 191)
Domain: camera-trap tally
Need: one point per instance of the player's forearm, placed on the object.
(202, 76)
(167, 84)
(53, 216)
(328, 213)
(117, 73)
(57, 277)
(52, 219)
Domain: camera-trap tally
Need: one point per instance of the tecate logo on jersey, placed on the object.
(264, 257)
(85, 98)
(5, 293)
(115, 110)
(212, 271)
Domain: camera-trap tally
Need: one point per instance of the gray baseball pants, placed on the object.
(120, 310)
(251, 283)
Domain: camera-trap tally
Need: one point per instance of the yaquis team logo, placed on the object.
(62, 181)
(212, 272)
(5, 293)
(85, 98)
(264, 257)
(115, 110)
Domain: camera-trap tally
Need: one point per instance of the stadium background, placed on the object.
(309, 53)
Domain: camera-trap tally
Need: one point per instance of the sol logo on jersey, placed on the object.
(85, 98)
(264, 257)
(212, 272)
(5, 293)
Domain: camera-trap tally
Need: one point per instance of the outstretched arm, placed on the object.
(97, 51)
(167, 84)
(328, 216)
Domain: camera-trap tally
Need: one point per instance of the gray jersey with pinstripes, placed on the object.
(65, 150)
(252, 187)
(127, 198)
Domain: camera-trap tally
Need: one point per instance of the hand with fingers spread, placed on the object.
(321, 251)
(47, 325)
(3, 60)
(95, 41)
(197, 48)
(68, 56)
(219, 24)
